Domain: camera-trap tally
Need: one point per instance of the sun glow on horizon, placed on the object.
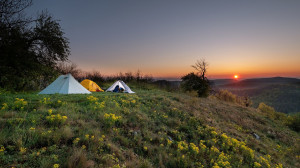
(236, 76)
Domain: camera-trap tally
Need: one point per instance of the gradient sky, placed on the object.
(257, 38)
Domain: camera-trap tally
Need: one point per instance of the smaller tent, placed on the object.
(91, 86)
(65, 84)
(119, 86)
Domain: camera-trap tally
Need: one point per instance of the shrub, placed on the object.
(226, 95)
(192, 82)
(271, 113)
(294, 122)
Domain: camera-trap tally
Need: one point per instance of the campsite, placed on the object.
(149, 84)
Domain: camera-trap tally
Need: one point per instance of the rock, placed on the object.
(255, 136)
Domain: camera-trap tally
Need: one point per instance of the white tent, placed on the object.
(121, 84)
(65, 84)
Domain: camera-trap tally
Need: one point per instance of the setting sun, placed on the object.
(236, 76)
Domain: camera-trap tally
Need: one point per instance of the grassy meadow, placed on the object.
(152, 128)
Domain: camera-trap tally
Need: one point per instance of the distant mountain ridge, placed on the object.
(255, 81)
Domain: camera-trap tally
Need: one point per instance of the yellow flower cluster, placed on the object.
(56, 119)
(202, 146)
(20, 104)
(169, 142)
(76, 140)
(213, 133)
(101, 139)
(116, 103)
(183, 146)
(46, 101)
(247, 151)
(165, 116)
(92, 99)
(95, 104)
(47, 132)
(23, 150)
(222, 160)
(4, 106)
(89, 137)
(194, 148)
(264, 161)
(2, 149)
(31, 128)
(257, 165)
(99, 105)
(112, 117)
(50, 111)
(56, 166)
(214, 149)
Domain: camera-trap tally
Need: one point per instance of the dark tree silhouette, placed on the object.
(30, 49)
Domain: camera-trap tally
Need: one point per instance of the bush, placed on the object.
(294, 122)
(192, 82)
(226, 95)
(271, 113)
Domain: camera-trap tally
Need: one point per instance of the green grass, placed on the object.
(152, 128)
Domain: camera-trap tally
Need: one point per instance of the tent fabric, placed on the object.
(122, 85)
(91, 86)
(65, 84)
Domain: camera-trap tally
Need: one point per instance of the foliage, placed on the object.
(30, 48)
(270, 112)
(226, 95)
(294, 121)
(192, 82)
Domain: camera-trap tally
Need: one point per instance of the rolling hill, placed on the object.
(281, 93)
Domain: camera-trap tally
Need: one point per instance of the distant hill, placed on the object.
(258, 82)
(279, 92)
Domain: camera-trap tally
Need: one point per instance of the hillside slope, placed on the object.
(278, 92)
(152, 128)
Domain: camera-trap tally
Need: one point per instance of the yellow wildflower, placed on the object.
(50, 111)
(56, 166)
(22, 150)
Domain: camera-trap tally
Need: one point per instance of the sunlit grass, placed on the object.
(152, 128)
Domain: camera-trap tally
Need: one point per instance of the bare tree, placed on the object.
(201, 67)
(71, 68)
(12, 13)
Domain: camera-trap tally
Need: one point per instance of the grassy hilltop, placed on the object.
(152, 128)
